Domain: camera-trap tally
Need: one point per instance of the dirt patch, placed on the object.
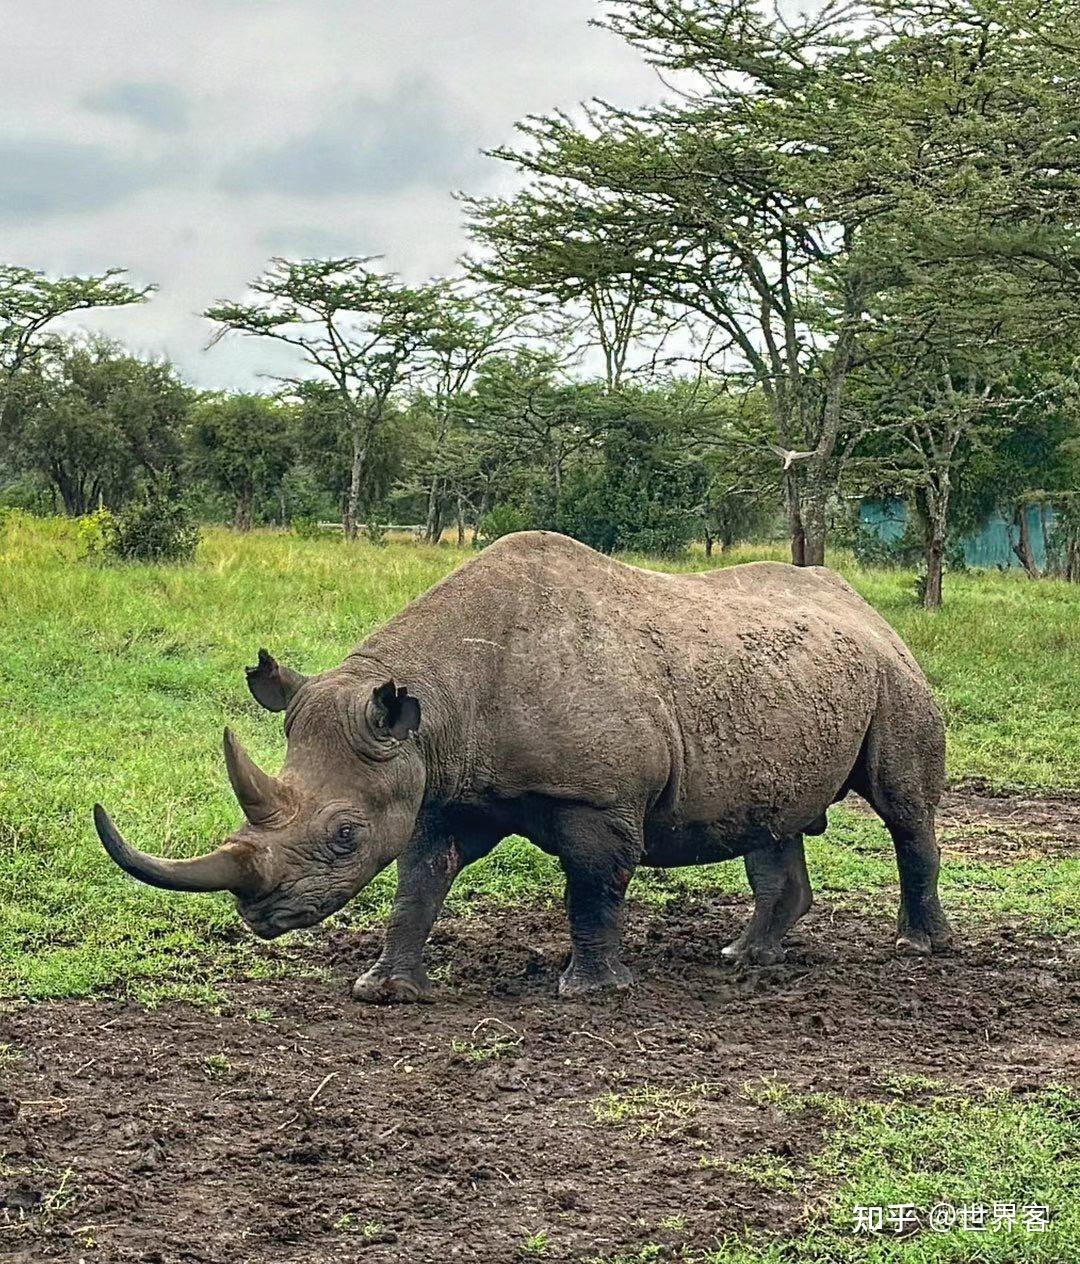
(980, 822)
(300, 1126)
(1051, 814)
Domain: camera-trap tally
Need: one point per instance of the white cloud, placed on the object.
(190, 142)
(160, 106)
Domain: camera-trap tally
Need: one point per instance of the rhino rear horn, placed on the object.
(261, 796)
(272, 684)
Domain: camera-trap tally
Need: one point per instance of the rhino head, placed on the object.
(343, 806)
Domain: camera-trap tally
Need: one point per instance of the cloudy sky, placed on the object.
(191, 141)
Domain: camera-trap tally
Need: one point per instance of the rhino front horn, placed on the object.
(220, 870)
(260, 795)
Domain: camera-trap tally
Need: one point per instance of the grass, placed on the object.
(952, 1150)
(648, 1111)
(491, 1039)
(115, 683)
(919, 1152)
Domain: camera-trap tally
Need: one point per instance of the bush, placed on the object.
(93, 533)
(500, 521)
(156, 529)
(29, 493)
(376, 528)
(307, 528)
(638, 509)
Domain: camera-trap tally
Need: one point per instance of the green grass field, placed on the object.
(115, 683)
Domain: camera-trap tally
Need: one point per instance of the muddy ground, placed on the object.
(299, 1127)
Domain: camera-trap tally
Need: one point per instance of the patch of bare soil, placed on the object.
(300, 1127)
(1010, 825)
(982, 822)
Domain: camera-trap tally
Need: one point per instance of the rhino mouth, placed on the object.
(262, 920)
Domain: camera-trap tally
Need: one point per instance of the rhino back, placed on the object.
(744, 692)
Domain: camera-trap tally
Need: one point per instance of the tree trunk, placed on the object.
(460, 524)
(935, 564)
(244, 498)
(1022, 548)
(350, 520)
(708, 542)
(814, 524)
(433, 526)
(481, 511)
(1044, 521)
(796, 531)
(361, 432)
(68, 493)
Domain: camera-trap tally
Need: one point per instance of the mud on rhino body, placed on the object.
(616, 717)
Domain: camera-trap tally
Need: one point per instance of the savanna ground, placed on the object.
(171, 1091)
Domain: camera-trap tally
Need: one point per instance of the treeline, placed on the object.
(514, 444)
(841, 261)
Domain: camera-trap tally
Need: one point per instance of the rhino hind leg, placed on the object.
(598, 854)
(901, 774)
(921, 926)
(782, 894)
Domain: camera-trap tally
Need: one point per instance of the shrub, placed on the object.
(376, 527)
(156, 529)
(93, 533)
(638, 509)
(307, 528)
(500, 521)
(28, 493)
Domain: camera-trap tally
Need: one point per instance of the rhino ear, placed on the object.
(271, 684)
(393, 712)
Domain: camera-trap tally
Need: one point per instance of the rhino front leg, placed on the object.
(426, 872)
(782, 895)
(598, 855)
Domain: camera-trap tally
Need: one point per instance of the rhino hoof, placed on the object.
(740, 954)
(575, 982)
(381, 989)
(913, 943)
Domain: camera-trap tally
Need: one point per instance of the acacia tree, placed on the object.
(727, 204)
(539, 423)
(959, 396)
(30, 302)
(360, 328)
(322, 443)
(802, 167)
(540, 246)
(468, 327)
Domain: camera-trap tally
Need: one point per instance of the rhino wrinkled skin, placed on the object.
(615, 717)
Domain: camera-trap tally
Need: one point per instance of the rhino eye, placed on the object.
(344, 838)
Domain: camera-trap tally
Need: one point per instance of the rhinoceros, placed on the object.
(614, 716)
